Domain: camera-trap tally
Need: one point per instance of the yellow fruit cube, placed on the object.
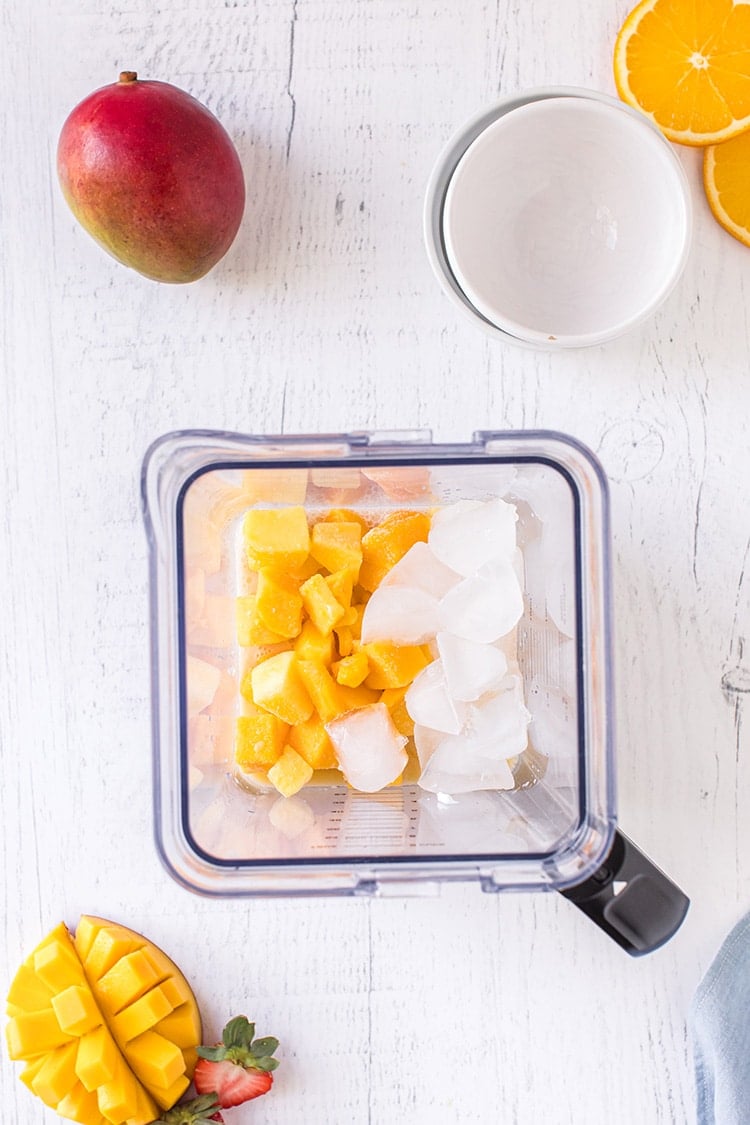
(311, 644)
(57, 1076)
(108, 946)
(394, 701)
(352, 670)
(141, 1015)
(146, 1104)
(96, 1061)
(352, 698)
(32, 1033)
(155, 1060)
(259, 740)
(385, 544)
(27, 992)
(57, 965)
(277, 537)
(250, 628)
(311, 740)
(30, 1071)
(128, 979)
(346, 515)
(277, 687)
(76, 1010)
(118, 1098)
(290, 773)
(337, 545)
(182, 1026)
(166, 1096)
(341, 585)
(80, 1104)
(344, 641)
(393, 666)
(322, 689)
(300, 574)
(278, 603)
(323, 609)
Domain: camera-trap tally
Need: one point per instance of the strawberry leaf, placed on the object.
(266, 1063)
(267, 1046)
(215, 1054)
(239, 1032)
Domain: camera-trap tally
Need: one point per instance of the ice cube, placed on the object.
(461, 764)
(401, 615)
(471, 669)
(291, 816)
(467, 535)
(202, 682)
(429, 703)
(369, 748)
(485, 606)
(499, 722)
(419, 569)
(426, 741)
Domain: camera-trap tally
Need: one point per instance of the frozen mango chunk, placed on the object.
(393, 666)
(341, 585)
(250, 628)
(310, 739)
(290, 773)
(394, 701)
(337, 546)
(128, 979)
(323, 609)
(352, 670)
(322, 689)
(277, 537)
(344, 640)
(385, 544)
(76, 1009)
(278, 687)
(346, 515)
(259, 740)
(311, 644)
(278, 603)
(57, 1076)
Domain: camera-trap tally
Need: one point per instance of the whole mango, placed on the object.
(152, 175)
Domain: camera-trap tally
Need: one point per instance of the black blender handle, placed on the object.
(645, 910)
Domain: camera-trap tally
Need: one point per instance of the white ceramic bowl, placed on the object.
(560, 218)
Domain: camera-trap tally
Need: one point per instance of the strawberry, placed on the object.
(199, 1111)
(239, 1068)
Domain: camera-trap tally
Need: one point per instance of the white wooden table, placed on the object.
(324, 316)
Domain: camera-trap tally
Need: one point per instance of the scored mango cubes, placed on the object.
(89, 1065)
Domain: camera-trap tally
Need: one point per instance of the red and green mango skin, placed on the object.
(154, 177)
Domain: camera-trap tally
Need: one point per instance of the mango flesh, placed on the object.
(313, 582)
(106, 1024)
(152, 175)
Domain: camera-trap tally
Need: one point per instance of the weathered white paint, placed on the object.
(324, 316)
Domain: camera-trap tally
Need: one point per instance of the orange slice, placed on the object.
(686, 65)
(726, 178)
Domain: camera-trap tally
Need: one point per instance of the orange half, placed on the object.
(686, 65)
(726, 179)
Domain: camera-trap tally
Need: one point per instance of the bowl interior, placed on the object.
(567, 219)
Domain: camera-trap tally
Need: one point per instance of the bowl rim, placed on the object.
(434, 207)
